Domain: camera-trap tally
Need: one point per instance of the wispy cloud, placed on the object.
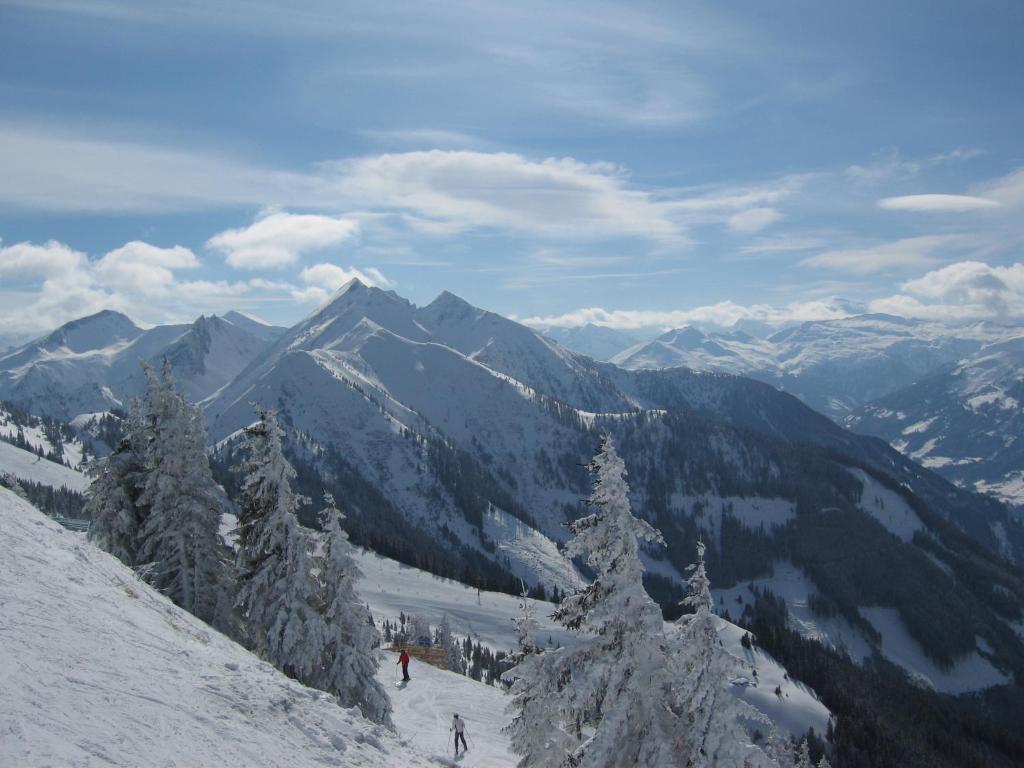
(753, 219)
(898, 254)
(934, 203)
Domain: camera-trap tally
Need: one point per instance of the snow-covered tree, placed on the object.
(349, 662)
(179, 546)
(112, 499)
(526, 628)
(278, 594)
(714, 719)
(608, 700)
(453, 660)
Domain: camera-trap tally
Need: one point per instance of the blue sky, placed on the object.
(640, 164)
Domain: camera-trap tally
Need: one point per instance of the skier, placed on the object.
(403, 659)
(459, 726)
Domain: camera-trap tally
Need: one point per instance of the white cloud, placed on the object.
(724, 314)
(29, 259)
(322, 280)
(559, 197)
(938, 203)
(898, 254)
(277, 239)
(49, 284)
(753, 219)
(143, 268)
(966, 290)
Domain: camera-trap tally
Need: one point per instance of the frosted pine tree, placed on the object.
(112, 500)
(349, 661)
(606, 701)
(278, 594)
(715, 734)
(179, 548)
(453, 660)
(526, 628)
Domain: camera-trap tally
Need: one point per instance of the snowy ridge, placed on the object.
(101, 670)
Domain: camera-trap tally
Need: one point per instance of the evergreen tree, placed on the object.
(112, 499)
(714, 732)
(278, 595)
(179, 548)
(453, 660)
(349, 661)
(608, 700)
(526, 628)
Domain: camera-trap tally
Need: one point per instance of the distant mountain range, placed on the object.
(93, 364)
(913, 383)
(455, 440)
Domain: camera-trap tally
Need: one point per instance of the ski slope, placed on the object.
(99, 670)
(391, 588)
(424, 709)
(27, 466)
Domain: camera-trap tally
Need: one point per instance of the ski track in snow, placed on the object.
(424, 708)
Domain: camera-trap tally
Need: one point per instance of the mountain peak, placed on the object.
(447, 301)
(94, 331)
(243, 319)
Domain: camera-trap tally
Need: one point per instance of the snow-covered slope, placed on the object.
(965, 422)
(972, 672)
(99, 670)
(28, 466)
(92, 364)
(258, 328)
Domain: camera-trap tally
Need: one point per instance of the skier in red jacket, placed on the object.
(403, 659)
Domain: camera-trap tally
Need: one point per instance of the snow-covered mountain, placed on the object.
(835, 366)
(964, 422)
(93, 364)
(456, 439)
(464, 432)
